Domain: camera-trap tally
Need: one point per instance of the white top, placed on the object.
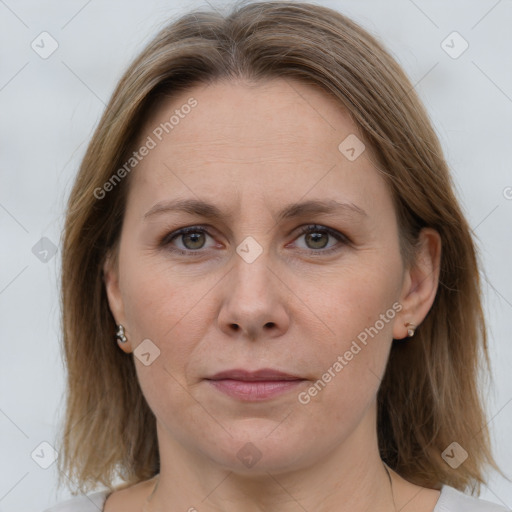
(450, 500)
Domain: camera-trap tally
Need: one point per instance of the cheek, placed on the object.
(358, 310)
(169, 309)
(158, 300)
(168, 314)
(354, 296)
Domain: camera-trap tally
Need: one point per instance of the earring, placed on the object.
(410, 329)
(120, 334)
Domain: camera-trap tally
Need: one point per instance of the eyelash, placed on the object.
(304, 230)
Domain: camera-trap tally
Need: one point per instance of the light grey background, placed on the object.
(49, 108)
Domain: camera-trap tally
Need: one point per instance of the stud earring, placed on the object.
(120, 334)
(410, 329)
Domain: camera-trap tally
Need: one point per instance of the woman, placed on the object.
(270, 294)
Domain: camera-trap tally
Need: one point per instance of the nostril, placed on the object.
(270, 324)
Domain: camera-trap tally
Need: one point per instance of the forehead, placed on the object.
(279, 136)
(239, 116)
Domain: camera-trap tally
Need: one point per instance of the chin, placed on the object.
(259, 451)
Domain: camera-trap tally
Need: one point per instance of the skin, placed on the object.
(251, 149)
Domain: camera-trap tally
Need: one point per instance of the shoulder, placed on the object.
(92, 502)
(452, 500)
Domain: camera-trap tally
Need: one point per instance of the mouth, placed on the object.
(254, 386)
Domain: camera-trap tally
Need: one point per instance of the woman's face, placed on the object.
(244, 168)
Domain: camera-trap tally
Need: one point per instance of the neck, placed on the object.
(352, 478)
(150, 502)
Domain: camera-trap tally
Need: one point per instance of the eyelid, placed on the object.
(169, 237)
(302, 230)
(312, 228)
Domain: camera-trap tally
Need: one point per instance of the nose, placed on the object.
(253, 302)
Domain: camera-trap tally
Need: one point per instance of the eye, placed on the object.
(317, 237)
(191, 239)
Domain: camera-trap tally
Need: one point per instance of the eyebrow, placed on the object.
(209, 210)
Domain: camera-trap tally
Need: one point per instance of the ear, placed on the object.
(420, 283)
(114, 296)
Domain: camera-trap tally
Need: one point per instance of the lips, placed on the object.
(254, 386)
(262, 375)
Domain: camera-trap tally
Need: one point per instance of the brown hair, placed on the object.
(429, 396)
